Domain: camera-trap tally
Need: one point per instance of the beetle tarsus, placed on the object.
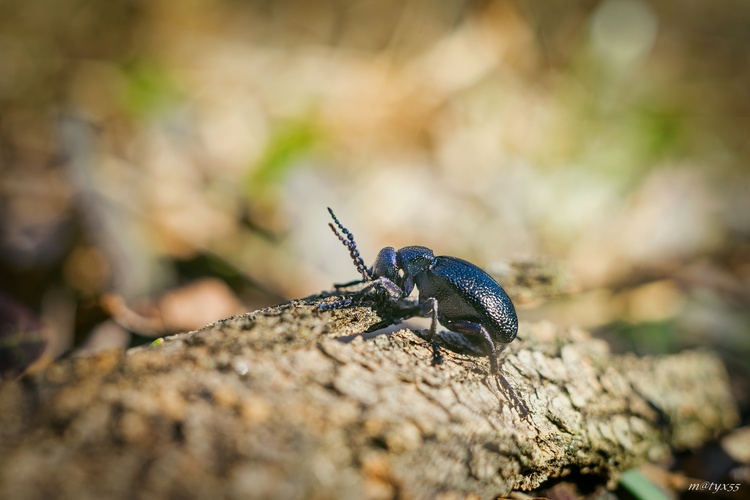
(437, 355)
(341, 304)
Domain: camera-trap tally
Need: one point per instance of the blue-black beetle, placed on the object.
(458, 294)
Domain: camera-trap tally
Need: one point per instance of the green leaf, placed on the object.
(290, 141)
(640, 487)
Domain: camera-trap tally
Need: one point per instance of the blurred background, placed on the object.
(166, 164)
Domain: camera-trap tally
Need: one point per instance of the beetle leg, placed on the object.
(341, 304)
(347, 284)
(477, 330)
(384, 283)
(493, 350)
(429, 307)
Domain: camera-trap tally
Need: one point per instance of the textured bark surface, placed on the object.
(288, 403)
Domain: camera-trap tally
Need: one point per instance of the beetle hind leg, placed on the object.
(476, 330)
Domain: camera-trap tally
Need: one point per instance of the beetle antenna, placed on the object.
(351, 245)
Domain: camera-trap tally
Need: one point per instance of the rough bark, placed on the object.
(287, 402)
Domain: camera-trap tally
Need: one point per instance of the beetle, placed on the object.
(456, 293)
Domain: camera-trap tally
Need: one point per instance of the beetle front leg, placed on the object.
(391, 288)
(347, 284)
(383, 283)
(429, 307)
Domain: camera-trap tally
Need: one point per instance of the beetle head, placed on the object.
(413, 261)
(386, 265)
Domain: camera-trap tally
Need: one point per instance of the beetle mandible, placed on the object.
(458, 294)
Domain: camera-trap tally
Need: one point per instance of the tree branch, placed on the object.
(275, 404)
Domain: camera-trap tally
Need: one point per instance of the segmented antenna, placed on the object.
(351, 245)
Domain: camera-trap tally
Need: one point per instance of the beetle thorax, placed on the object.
(414, 260)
